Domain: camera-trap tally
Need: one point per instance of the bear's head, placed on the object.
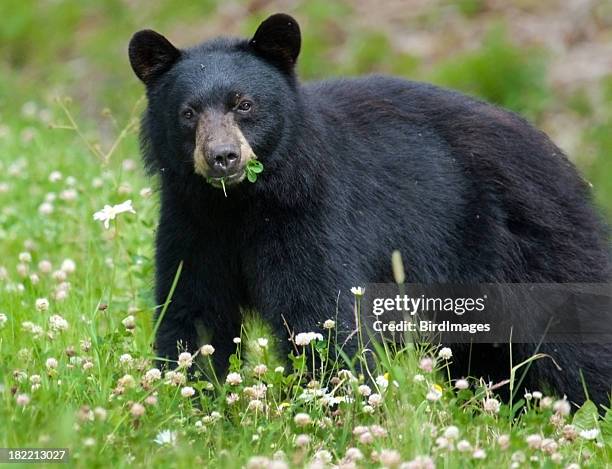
(214, 107)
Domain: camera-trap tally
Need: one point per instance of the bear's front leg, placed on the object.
(176, 333)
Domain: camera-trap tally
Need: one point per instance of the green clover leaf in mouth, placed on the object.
(253, 168)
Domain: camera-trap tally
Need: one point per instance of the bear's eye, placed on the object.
(187, 114)
(244, 106)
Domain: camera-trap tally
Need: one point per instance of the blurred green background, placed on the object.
(549, 60)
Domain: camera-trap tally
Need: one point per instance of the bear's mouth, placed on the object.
(231, 180)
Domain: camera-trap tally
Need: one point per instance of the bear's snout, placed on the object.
(221, 150)
(223, 159)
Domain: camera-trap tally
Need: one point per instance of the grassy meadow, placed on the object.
(76, 358)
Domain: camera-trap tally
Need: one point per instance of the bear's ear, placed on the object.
(151, 55)
(278, 40)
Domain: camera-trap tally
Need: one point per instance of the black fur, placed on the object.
(355, 169)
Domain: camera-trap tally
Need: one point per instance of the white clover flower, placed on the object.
(187, 391)
(435, 393)
(22, 400)
(45, 266)
(42, 304)
(137, 410)
(302, 440)
(255, 405)
(128, 165)
(146, 192)
(562, 407)
(51, 363)
(389, 457)
(152, 375)
(329, 324)
(175, 378)
(68, 266)
(534, 441)
(25, 257)
(462, 384)
(46, 208)
(375, 400)
(359, 429)
(58, 323)
(60, 275)
(358, 291)
(536, 394)
(165, 437)
(126, 381)
(368, 409)
(69, 195)
(420, 462)
(260, 370)
(100, 413)
(237, 340)
(589, 434)
(233, 379)
(503, 441)
(549, 445)
(546, 402)
(382, 382)
(443, 443)
(491, 405)
(464, 446)
(151, 400)
(426, 364)
(364, 390)
(185, 360)
(262, 342)
(232, 398)
(32, 328)
(347, 375)
(3, 320)
(258, 462)
(302, 419)
(451, 432)
(323, 456)
(353, 454)
(109, 213)
(22, 270)
(445, 353)
(378, 431)
(304, 338)
(129, 322)
(479, 453)
(207, 350)
(55, 176)
(126, 360)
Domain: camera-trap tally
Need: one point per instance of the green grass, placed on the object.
(91, 401)
(87, 403)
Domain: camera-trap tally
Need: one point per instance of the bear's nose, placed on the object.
(223, 159)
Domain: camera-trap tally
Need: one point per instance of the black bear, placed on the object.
(353, 169)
